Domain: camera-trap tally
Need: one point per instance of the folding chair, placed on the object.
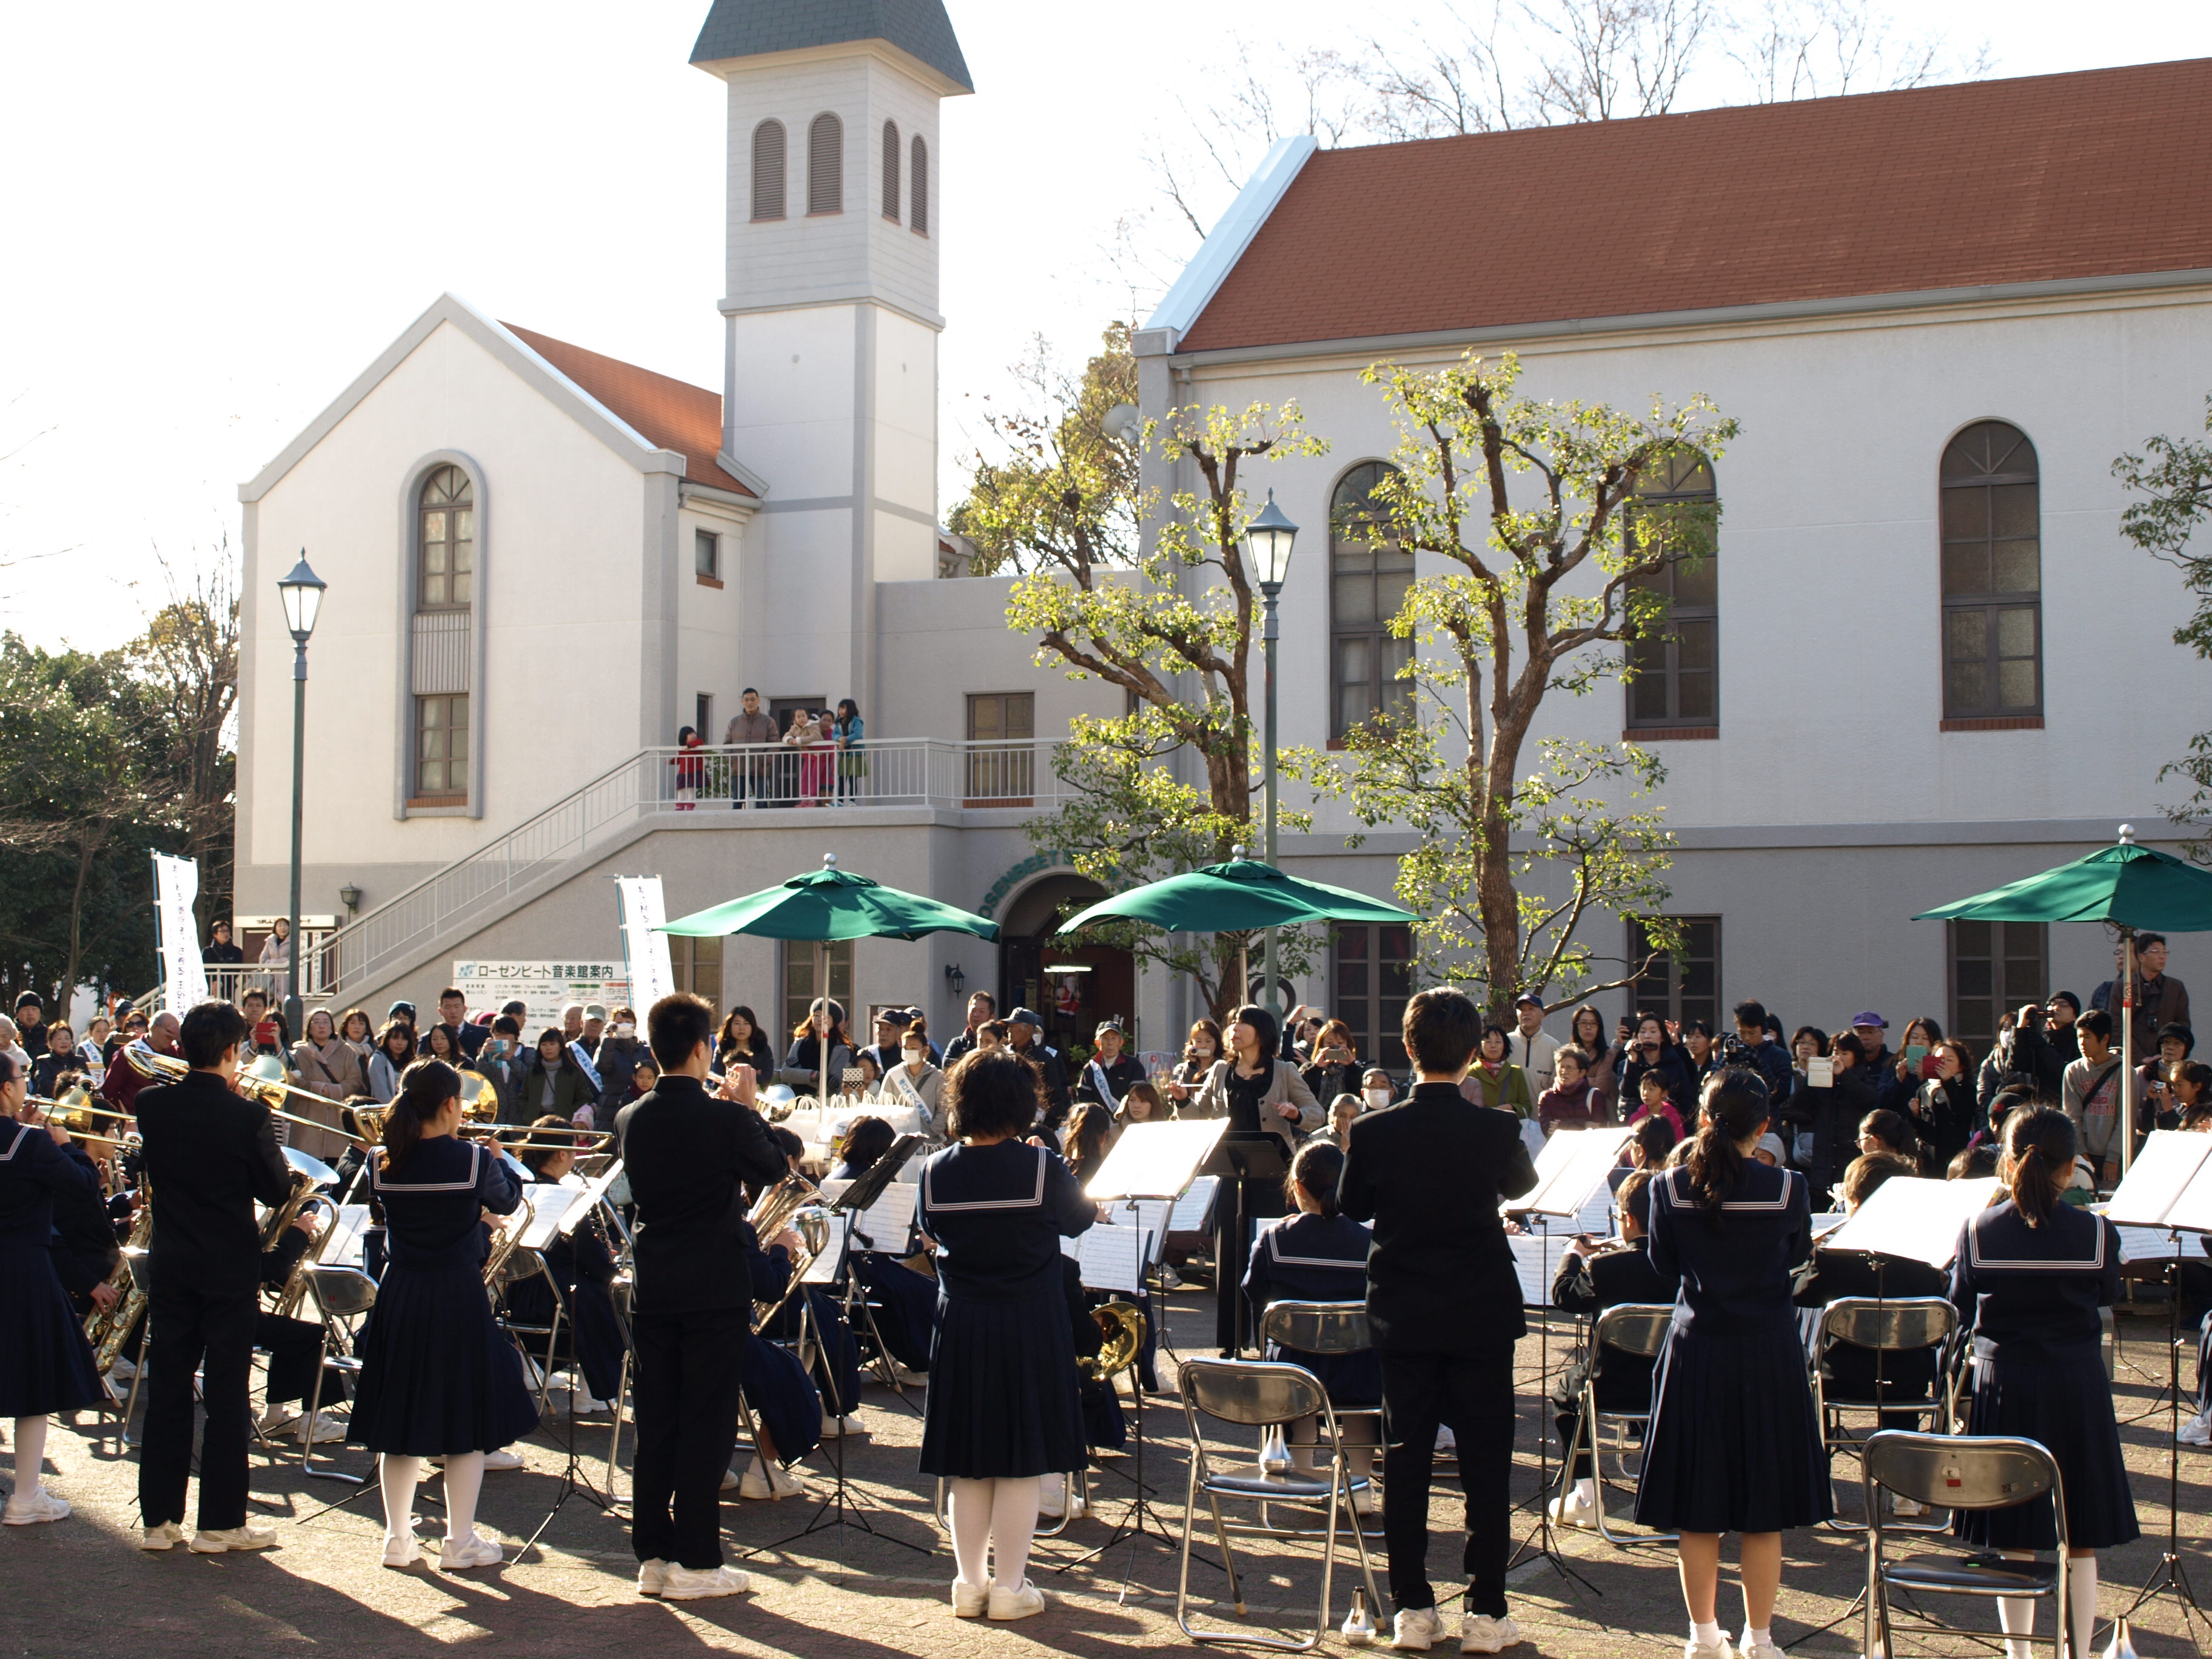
(341, 1293)
(1322, 1328)
(1638, 1329)
(1253, 1394)
(1885, 1326)
(521, 1267)
(1958, 1472)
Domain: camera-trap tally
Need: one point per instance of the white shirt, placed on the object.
(1532, 1055)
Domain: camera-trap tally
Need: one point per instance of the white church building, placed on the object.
(1921, 663)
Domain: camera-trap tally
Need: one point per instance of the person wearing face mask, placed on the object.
(1200, 1052)
(914, 1082)
(617, 1056)
(1375, 1089)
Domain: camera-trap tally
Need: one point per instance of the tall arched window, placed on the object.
(1677, 678)
(1369, 574)
(918, 204)
(1992, 575)
(445, 592)
(891, 159)
(446, 542)
(768, 170)
(825, 165)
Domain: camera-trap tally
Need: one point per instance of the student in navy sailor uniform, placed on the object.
(787, 1405)
(1003, 1406)
(438, 1376)
(1735, 1445)
(45, 1366)
(579, 1268)
(294, 1346)
(1320, 1254)
(2032, 1272)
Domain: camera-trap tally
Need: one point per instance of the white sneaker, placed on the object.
(1479, 1633)
(756, 1485)
(698, 1584)
(2196, 1431)
(31, 1507)
(458, 1554)
(1720, 1650)
(835, 1427)
(505, 1458)
(1169, 1278)
(782, 1483)
(651, 1576)
(1362, 1499)
(1015, 1603)
(1052, 1496)
(1908, 1508)
(970, 1601)
(327, 1428)
(1571, 1509)
(1414, 1629)
(403, 1551)
(1446, 1440)
(232, 1538)
(167, 1536)
(122, 1370)
(730, 1480)
(1770, 1649)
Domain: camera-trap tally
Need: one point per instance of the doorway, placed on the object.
(1100, 981)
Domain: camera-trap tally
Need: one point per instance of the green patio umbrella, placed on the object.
(825, 905)
(2130, 887)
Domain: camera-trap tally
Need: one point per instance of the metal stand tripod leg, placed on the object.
(2169, 1574)
(1539, 1545)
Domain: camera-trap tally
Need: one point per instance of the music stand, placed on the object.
(1242, 1156)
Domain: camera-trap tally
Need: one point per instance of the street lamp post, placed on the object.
(1268, 539)
(302, 593)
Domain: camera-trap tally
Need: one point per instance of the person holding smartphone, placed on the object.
(1334, 1069)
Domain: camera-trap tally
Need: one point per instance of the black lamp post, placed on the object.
(302, 593)
(1268, 540)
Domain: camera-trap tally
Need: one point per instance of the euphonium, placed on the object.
(303, 1190)
(772, 1213)
(1123, 1325)
(504, 1239)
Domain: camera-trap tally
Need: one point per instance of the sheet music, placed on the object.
(1536, 1263)
(548, 1202)
(2168, 1166)
(888, 1222)
(1112, 1258)
(1150, 1213)
(1595, 1217)
(596, 1190)
(1571, 1169)
(341, 1244)
(1157, 1160)
(1194, 1211)
(2147, 1244)
(1917, 1218)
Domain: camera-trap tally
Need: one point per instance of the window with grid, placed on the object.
(1371, 977)
(1369, 574)
(698, 966)
(891, 160)
(1994, 966)
(1992, 574)
(1677, 667)
(1685, 986)
(825, 165)
(768, 171)
(445, 542)
(1001, 766)
(706, 554)
(918, 203)
(802, 963)
(702, 720)
(441, 747)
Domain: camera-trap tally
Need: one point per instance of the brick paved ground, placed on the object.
(80, 1588)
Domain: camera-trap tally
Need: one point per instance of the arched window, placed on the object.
(768, 171)
(891, 170)
(1677, 678)
(439, 652)
(1369, 574)
(825, 165)
(919, 204)
(1992, 575)
(446, 542)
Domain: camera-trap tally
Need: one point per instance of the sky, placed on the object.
(219, 214)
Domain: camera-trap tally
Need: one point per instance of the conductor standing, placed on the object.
(1444, 1302)
(209, 1154)
(686, 1154)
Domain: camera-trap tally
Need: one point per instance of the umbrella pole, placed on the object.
(1243, 968)
(822, 1037)
(2127, 1049)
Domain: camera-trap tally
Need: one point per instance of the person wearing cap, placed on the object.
(595, 1026)
(1023, 1025)
(401, 1011)
(802, 1064)
(1529, 1046)
(1877, 1065)
(1107, 1076)
(30, 1014)
(885, 1050)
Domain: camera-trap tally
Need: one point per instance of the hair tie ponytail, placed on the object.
(1735, 1106)
(424, 1088)
(2039, 1145)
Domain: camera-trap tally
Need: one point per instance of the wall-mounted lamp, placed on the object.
(349, 895)
(955, 978)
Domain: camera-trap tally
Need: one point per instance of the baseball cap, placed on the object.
(1871, 1020)
(1530, 998)
(1026, 1017)
(399, 1008)
(596, 1010)
(1110, 1025)
(900, 1017)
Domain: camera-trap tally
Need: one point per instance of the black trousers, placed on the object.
(686, 1392)
(190, 1332)
(1473, 1392)
(1235, 1320)
(294, 1347)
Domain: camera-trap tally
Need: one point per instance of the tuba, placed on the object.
(1123, 1325)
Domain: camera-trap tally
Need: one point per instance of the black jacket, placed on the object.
(209, 1155)
(1907, 1374)
(1430, 1173)
(686, 1154)
(1591, 1284)
(1124, 1074)
(1057, 1101)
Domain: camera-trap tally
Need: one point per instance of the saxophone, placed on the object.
(105, 1329)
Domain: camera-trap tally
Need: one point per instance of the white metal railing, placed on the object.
(745, 786)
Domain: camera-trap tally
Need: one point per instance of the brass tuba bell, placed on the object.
(1122, 1323)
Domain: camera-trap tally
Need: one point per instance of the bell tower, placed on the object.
(829, 298)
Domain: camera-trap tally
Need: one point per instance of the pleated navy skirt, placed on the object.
(45, 1363)
(2066, 1406)
(786, 1404)
(437, 1375)
(1735, 1445)
(1002, 1400)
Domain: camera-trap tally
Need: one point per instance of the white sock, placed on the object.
(1013, 1524)
(1586, 1490)
(1756, 1635)
(967, 1510)
(397, 1475)
(30, 1454)
(2082, 1599)
(464, 1480)
(1705, 1636)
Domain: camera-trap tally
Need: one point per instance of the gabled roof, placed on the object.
(754, 28)
(670, 413)
(2098, 174)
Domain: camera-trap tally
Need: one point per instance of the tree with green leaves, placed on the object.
(1173, 625)
(1553, 572)
(2172, 479)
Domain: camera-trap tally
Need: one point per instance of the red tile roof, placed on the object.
(2100, 173)
(669, 414)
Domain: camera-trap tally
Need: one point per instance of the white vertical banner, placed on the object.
(652, 975)
(176, 884)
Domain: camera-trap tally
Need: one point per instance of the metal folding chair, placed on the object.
(1958, 1472)
(341, 1293)
(1323, 1328)
(1885, 1326)
(1252, 1394)
(1638, 1329)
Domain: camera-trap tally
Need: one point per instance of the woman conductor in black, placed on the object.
(1003, 1405)
(2029, 1280)
(1734, 1445)
(437, 1378)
